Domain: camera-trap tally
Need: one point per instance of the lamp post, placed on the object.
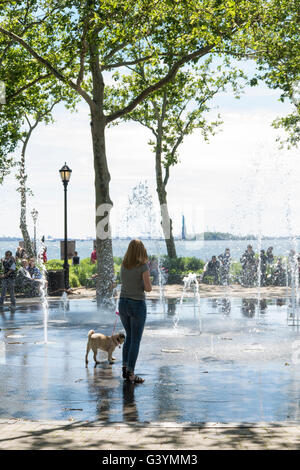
(34, 215)
(65, 173)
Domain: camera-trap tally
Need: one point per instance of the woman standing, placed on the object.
(135, 279)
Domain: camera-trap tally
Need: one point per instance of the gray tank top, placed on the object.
(132, 282)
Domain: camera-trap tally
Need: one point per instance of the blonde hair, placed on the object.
(136, 255)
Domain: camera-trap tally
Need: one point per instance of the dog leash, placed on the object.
(117, 313)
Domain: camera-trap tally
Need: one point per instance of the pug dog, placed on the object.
(105, 343)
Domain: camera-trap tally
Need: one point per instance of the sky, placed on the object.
(239, 182)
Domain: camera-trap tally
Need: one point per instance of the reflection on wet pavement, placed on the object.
(232, 361)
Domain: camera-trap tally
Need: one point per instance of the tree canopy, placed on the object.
(277, 48)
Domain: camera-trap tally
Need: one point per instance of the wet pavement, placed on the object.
(233, 361)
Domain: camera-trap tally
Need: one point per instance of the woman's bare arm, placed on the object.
(147, 281)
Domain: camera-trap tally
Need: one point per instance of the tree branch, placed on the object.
(97, 77)
(39, 20)
(28, 122)
(125, 63)
(84, 45)
(5, 50)
(249, 55)
(164, 106)
(42, 77)
(144, 124)
(56, 73)
(82, 60)
(114, 51)
(167, 175)
(179, 141)
(156, 86)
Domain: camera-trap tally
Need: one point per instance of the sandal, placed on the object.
(134, 379)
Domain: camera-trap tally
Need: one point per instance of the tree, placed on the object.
(278, 61)
(13, 78)
(43, 98)
(174, 112)
(40, 116)
(78, 42)
(24, 108)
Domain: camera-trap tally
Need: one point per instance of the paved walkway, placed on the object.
(66, 435)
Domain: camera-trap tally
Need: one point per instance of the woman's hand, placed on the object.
(147, 281)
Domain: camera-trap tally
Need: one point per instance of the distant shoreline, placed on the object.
(191, 239)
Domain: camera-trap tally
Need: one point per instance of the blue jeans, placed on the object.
(133, 316)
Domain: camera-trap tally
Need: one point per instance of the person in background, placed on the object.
(212, 269)
(263, 268)
(26, 279)
(75, 259)
(44, 255)
(23, 271)
(153, 268)
(270, 256)
(279, 275)
(94, 256)
(36, 275)
(34, 271)
(225, 260)
(135, 279)
(20, 253)
(8, 278)
(249, 266)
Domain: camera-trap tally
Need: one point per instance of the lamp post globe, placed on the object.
(65, 174)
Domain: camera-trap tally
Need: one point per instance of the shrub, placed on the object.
(194, 264)
(208, 280)
(176, 269)
(74, 281)
(174, 277)
(180, 267)
(54, 264)
(235, 271)
(88, 266)
(82, 276)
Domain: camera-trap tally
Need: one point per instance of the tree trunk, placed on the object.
(161, 183)
(166, 221)
(105, 262)
(23, 190)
